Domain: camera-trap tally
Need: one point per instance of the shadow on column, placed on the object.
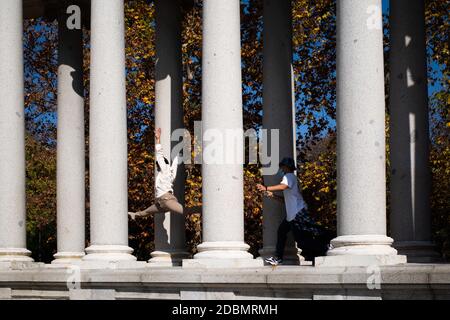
(410, 177)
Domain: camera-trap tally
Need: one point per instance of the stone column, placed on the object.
(410, 174)
(170, 243)
(223, 220)
(108, 134)
(278, 113)
(361, 162)
(70, 144)
(12, 141)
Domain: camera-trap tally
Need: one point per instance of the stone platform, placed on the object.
(115, 281)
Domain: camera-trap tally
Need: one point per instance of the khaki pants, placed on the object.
(167, 202)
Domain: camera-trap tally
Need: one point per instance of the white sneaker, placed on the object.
(132, 215)
(274, 261)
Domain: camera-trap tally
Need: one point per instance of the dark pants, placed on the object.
(310, 244)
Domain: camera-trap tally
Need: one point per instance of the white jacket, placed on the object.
(165, 177)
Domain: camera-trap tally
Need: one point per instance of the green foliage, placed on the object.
(41, 199)
(440, 170)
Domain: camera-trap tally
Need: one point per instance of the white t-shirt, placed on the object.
(293, 200)
(164, 178)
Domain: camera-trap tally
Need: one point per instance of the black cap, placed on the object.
(288, 162)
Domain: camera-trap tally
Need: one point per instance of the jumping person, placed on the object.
(165, 199)
(306, 233)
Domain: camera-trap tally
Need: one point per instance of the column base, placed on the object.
(167, 258)
(109, 253)
(15, 254)
(361, 250)
(292, 256)
(67, 257)
(418, 251)
(223, 254)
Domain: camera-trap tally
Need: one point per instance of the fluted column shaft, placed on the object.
(278, 113)
(222, 179)
(12, 131)
(361, 161)
(409, 134)
(108, 134)
(70, 144)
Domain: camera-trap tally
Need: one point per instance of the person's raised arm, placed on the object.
(159, 155)
(174, 167)
(158, 135)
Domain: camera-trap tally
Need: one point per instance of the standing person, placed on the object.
(297, 219)
(165, 200)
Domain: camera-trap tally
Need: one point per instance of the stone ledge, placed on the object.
(409, 281)
(408, 273)
(21, 265)
(359, 260)
(222, 263)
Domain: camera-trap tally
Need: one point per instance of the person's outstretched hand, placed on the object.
(260, 187)
(158, 134)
